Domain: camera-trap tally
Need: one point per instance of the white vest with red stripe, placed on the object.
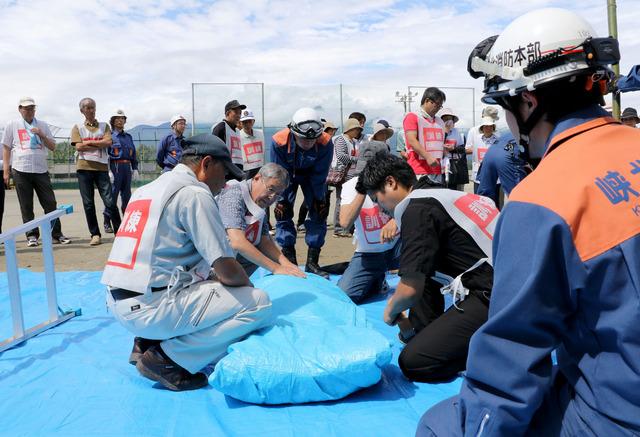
(234, 144)
(129, 262)
(431, 137)
(252, 149)
(254, 219)
(100, 155)
(477, 215)
(480, 148)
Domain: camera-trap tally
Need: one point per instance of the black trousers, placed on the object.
(26, 184)
(439, 350)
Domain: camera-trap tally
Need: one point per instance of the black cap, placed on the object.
(233, 105)
(207, 144)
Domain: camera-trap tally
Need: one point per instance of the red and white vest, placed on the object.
(254, 219)
(252, 149)
(129, 262)
(100, 155)
(234, 144)
(431, 137)
(477, 215)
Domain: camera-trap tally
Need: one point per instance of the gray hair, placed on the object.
(86, 99)
(275, 171)
(192, 161)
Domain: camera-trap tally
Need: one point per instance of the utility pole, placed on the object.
(613, 31)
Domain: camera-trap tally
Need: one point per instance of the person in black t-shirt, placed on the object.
(431, 242)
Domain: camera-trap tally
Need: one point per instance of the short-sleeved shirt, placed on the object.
(189, 230)
(27, 157)
(432, 241)
(83, 164)
(233, 209)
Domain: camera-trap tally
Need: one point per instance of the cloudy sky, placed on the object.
(144, 55)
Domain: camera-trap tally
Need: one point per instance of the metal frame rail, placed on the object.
(56, 315)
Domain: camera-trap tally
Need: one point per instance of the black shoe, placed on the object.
(108, 229)
(290, 253)
(155, 365)
(312, 263)
(140, 346)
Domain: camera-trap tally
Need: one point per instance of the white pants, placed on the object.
(198, 322)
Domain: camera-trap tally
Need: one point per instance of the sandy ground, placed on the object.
(80, 256)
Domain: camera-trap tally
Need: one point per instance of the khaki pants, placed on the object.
(198, 322)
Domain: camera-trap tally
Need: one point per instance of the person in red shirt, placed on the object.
(424, 133)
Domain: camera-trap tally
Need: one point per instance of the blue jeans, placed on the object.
(87, 180)
(366, 272)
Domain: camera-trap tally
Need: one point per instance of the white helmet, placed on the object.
(306, 123)
(538, 48)
(118, 113)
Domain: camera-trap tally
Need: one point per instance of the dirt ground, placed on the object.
(80, 256)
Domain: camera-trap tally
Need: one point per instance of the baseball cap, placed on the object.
(208, 144)
(26, 101)
(369, 149)
(247, 114)
(233, 105)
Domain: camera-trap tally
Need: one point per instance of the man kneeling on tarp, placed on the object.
(161, 285)
(243, 208)
(443, 233)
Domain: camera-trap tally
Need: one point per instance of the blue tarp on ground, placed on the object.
(74, 380)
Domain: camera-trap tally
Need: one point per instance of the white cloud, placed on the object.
(144, 55)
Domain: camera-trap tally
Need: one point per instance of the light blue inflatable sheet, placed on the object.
(318, 349)
(74, 380)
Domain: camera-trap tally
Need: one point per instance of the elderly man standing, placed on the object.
(161, 286)
(123, 164)
(226, 130)
(424, 132)
(29, 140)
(243, 210)
(305, 151)
(92, 140)
(252, 141)
(170, 148)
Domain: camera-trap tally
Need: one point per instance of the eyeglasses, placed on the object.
(273, 193)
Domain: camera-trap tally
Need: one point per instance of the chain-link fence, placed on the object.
(273, 106)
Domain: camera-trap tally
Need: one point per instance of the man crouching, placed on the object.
(161, 285)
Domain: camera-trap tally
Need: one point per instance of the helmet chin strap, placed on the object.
(524, 128)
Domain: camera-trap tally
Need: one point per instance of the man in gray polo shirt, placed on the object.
(243, 211)
(172, 277)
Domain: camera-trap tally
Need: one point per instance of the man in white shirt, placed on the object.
(252, 141)
(376, 236)
(172, 277)
(29, 141)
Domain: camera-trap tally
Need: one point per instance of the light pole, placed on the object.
(405, 99)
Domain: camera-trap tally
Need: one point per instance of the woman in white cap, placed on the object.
(487, 138)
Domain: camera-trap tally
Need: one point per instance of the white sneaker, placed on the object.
(61, 240)
(32, 242)
(95, 240)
